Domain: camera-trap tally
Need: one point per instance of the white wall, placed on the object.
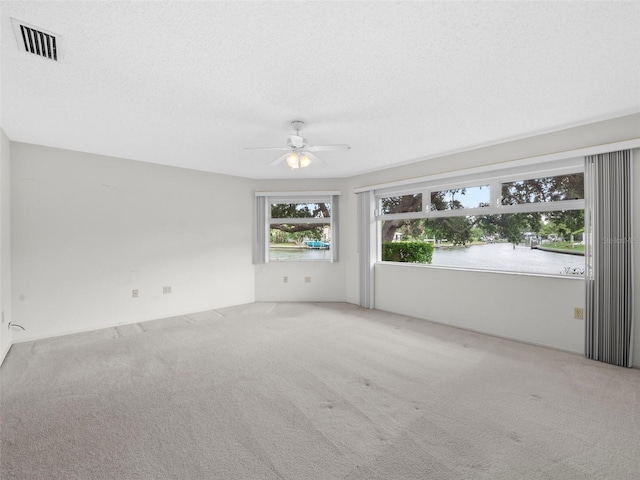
(327, 279)
(5, 244)
(529, 308)
(600, 133)
(87, 229)
(327, 282)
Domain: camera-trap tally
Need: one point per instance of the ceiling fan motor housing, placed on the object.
(296, 141)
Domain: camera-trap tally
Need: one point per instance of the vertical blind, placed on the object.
(335, 228)
(261, 240)
(609, 257)
(367, 245)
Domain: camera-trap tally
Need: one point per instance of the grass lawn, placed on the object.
(563, 246)
(286, 245)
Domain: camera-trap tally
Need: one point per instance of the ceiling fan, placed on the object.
(299, 152)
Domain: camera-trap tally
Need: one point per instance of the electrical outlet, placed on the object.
(166, 290)
(578, 313)
(134, 293)
(307, 279)
(285, 279)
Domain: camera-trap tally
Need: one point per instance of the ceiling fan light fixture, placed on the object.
(293, 160)
(304, 161)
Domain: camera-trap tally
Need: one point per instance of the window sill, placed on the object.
(482, 270)
(300, 261)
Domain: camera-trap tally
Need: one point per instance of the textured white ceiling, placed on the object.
(191, 84)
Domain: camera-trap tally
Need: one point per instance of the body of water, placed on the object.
(493, 256)
(293, 254)
(502, 256)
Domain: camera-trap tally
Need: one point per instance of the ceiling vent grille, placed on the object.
(36, 40)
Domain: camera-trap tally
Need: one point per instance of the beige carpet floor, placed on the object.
(311, 391)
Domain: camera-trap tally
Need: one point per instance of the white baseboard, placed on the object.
(4, 354)
(93, 328)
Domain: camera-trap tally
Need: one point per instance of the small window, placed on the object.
(459, 198)
(297, 227)
(546, 189)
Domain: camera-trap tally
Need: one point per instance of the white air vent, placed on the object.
(35, 40)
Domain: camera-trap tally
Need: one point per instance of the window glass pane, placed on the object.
(539, 242)
(469, 197)
(299, 242)
(300, 210)
(547, 189)
(401, 204)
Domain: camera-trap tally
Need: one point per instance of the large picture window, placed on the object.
(529, 223)
(297, 227)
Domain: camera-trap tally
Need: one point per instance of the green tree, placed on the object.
(546, 189)
(508, 226)
(300, 210)
(573, 220)
(404, 203)
(278, 236)
(457, 230)
(413, 252)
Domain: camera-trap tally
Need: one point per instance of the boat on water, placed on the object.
(317, 244)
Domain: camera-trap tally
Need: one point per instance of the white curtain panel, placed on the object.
(609, 257)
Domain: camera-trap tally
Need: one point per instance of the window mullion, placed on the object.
(299, 220)
(543, 207)
(495, 194)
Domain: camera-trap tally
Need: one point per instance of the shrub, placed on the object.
(413, 252)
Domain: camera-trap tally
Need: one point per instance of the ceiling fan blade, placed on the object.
(315, 158)
(328, 148)
(267, 148)
(278, 160)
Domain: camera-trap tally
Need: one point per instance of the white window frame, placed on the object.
(495, 189)
(494, 180)
(264, 220)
